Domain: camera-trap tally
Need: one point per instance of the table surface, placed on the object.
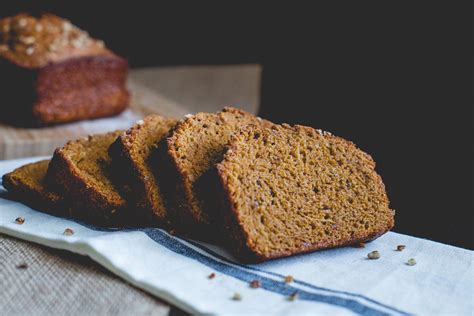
(42, 281)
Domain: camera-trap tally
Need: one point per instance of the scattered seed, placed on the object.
(255, 284)
(211, 276)
(293, 297)
(68, 232)
(237, 297)
(400, 247)
(22, 266)
(373, 255)
(289, 279)
(22, 23)
(30, 50)
(19, 220)
(411, 262)
(360, 245)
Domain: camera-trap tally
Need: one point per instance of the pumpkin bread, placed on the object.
(80, 171)
(293, 189)
(56, 73)
(194, 146)
(27, 184)
(131, 154)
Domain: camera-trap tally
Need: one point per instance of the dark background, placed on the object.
(389, 76)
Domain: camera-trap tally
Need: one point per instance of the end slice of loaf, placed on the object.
(290, 190)
(192, 149)
(80, 170)
(131, 154)
(27, 184)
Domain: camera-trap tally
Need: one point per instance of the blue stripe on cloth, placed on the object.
(222, 258)
(268, 284)
(240, 272)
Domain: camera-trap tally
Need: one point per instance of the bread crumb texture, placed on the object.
(131, 154)
(27, 182)
(196, 145)
(296, 189)
(81, 172)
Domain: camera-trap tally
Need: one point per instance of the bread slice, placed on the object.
(27, 184)
(131, 154)
(290, 190)
(80, 171)
(193, 147)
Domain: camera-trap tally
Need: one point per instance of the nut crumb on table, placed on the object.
(400, 247)
(68, 232)
(237, 297)
(22, 266)
(374, 255)
(19, 220)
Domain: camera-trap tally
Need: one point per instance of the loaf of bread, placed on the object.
(27, 184)
(194, 146)
(53, 72)
(80, 171)
(289, 190)
(132, 155)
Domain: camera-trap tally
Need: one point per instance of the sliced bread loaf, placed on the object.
(80, 171)
(27, 184)
(290, 190)
(131, 154)
(192, 149)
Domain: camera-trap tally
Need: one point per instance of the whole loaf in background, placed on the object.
(52, 72)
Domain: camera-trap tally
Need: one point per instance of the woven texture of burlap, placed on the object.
(36, 280)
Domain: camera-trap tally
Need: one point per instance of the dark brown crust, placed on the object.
(94, 87)
(130, 179)
(74, 89)
(238, 238)
(38, 198)
(90, 204)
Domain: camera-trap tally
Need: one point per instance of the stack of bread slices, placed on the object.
(266, 190)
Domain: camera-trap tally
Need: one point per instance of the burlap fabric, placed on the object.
(36, 280)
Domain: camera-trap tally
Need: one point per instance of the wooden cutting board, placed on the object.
(169, 91)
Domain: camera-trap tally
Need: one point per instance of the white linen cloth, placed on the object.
(332, 282)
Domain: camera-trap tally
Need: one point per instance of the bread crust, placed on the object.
(135, 185)
(90, 204)
(33, 191)
(57, 73)
(240, 241)
(187, 209)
